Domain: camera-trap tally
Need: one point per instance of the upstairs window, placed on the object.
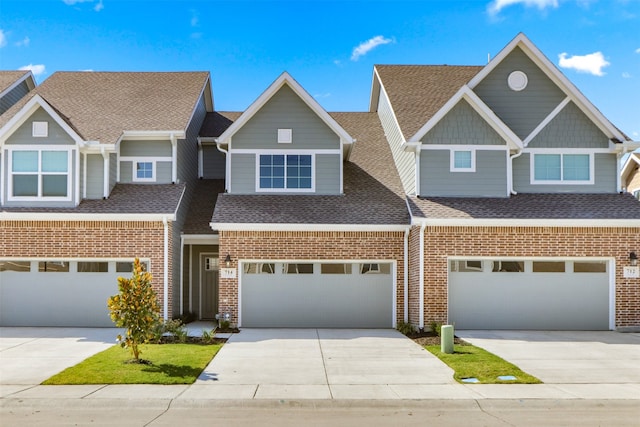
(562, 169)
(278, 172)
(463, 161)
(144, 171)
(40, 174)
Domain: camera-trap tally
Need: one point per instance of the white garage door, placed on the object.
(317, 294)
(58, 292)
(545, 294)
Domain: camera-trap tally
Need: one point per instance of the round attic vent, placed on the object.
(517, 80)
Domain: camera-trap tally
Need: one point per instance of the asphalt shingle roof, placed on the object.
(372, 190)
(216, 123)
(529, 206)
(204, 199)
(101, 105)
(7, 78)
(124, 199)
(417, 92)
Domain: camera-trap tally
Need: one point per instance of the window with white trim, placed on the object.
(144, 170)
(463, 161)
(562, 168)
(40, 174)
(285, 172)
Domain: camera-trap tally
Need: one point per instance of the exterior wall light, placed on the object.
(227, 261)
(633, 259)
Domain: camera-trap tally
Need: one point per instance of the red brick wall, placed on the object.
(441, 242)
(325, 245)
(90, 239)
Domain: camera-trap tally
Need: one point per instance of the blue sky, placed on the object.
(330, 47)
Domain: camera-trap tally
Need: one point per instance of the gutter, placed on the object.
(227, 169)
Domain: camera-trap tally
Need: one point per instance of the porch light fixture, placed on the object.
(227, 261)
(633, 259)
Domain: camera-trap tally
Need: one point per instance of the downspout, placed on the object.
(618, 177)
(105, 173)
(421, 296)
(174, 158)
(227, 169)
(181, 275)
(166, 269)
(510, 172)
(406, 275)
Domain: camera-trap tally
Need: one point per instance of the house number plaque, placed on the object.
(227, 273)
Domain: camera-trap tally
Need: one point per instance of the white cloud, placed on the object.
(626, 75)
(364, 47)
(592, 63)
(35, 69)
(638, 50)
(3, 39)
(322, 95)
(72, 2)
(24, 42)
(195, 19)
(497, 5)
(98, 7)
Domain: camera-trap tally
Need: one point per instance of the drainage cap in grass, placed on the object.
(470, 380)
(507, 378)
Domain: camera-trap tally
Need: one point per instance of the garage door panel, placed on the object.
(317, 300)
(56, 299)
(547, 301)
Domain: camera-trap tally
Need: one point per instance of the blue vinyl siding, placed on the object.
(285, 110)
(13, 96)
(524, 110)
(489, 180)
(95, 176)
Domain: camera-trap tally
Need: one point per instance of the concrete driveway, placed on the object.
(319, 364)
(566, 357)
(29, 356)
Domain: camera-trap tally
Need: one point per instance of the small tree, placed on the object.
(135, 308)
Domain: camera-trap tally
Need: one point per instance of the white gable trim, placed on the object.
(31, 83)
(546, 120)
(465, 93)
(27, 110)
(285, 78)
(634, 158)
(556, 76)
(390, 105)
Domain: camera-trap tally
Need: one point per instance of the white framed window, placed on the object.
(297, 268)
(144, 171)
(39, 173)
(285, 136)
(40, 129)
(636, 194)
(462, 161)
(211, 263)
(285, 172)
(562, 168)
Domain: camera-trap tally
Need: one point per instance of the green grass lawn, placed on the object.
(171, 364)
(469, 361)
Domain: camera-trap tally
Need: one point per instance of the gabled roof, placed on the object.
(418, 92)
(481, 108)
(29, 108)
(557, 77)
(285, 79)
(373, 196)
(632, 163)
(216, 123)
(101, 106)
(11, 79)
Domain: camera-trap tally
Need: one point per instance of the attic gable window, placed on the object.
(40, 129)
(285, 136)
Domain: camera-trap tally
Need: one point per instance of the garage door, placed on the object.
(58, 292)
(310, 295)
(529, 294)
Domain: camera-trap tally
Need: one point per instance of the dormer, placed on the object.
(285, 142)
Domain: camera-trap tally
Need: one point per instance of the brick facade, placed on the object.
(90, 239)
(306, 245)
(442, 242)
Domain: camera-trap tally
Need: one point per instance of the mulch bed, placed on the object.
(430, 338)
(191, 340)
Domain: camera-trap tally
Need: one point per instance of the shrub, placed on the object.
(405, 328)
(208, 336)
(136, 309)
(436, 327)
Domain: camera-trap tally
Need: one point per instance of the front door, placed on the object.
(209, 285)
